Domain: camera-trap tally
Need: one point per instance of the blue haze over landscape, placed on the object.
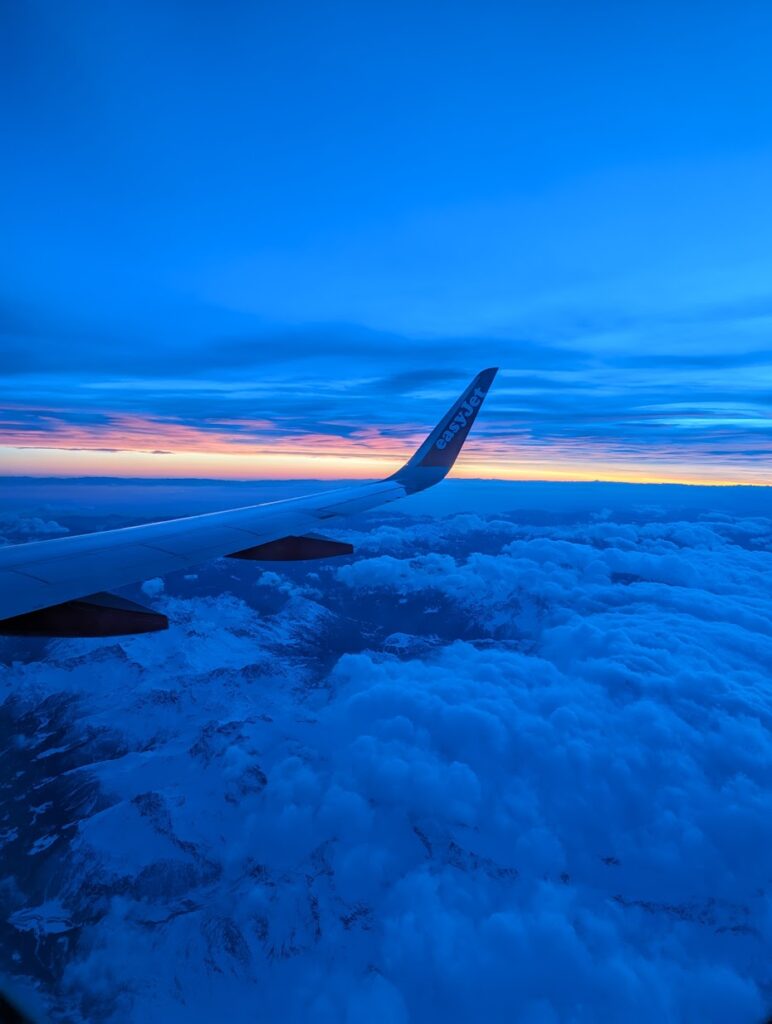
(512, 760)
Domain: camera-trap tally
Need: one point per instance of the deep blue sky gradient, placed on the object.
(304, 212)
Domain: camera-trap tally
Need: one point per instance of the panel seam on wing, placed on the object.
(27, 575)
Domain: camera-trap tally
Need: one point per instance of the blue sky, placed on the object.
(240, 226)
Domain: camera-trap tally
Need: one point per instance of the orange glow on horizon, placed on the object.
(289, 465)
(130, 445)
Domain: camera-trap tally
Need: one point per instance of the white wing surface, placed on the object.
(58, 587)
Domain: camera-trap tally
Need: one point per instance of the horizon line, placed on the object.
(107, 478)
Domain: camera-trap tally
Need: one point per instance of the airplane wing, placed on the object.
(59, 587)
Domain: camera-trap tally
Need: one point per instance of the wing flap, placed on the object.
(97, 615)
(295, 549)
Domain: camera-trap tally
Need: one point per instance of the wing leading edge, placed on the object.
(67, 577)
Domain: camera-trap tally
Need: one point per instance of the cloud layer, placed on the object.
(581, 414)
(491, 769)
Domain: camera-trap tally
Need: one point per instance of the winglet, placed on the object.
(434, 459)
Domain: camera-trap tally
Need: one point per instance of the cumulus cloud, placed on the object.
(152, 588)
(492, 769)
(17, 529)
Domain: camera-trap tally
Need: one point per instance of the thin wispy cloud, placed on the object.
(607, 420)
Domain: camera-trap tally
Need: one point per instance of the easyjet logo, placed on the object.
(462, 417)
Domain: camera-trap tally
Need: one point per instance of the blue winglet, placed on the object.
(434, 459)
